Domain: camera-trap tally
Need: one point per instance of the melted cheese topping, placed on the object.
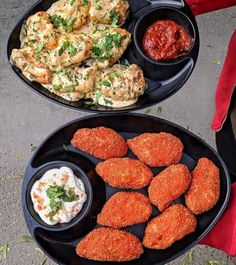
(58, 176)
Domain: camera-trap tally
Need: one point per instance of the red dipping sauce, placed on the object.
(165, 40)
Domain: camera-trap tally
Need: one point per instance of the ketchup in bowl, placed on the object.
(165, 40)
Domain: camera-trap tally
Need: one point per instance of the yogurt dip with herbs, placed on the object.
(58, 196)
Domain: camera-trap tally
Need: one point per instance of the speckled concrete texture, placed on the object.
(27, 118)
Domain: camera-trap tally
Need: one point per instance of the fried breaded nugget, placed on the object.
(126, 173)
(157, 149)
(107, 244)
(124, 209)
(204, 190)
(172, 225)
(169, 185)
(100, 142)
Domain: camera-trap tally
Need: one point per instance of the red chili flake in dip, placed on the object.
(165, 40)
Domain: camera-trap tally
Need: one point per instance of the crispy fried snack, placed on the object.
(172, 225)
(107, 244)
(204, 190)
(124, 173)
(157, 149)
(124, 209)
(169, 185)
(100, 142)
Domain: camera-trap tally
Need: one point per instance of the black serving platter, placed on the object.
(60, 246)
(163, 78)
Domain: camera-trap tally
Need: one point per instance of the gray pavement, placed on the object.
(27, 118)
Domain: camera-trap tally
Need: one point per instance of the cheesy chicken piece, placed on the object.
(38, 32)
(30, 66)
(73, 83)
(109, 12)
(67, 15)
(119, 85)
(72, 49)
(109, 45)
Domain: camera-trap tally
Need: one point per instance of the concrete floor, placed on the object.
(27, 118)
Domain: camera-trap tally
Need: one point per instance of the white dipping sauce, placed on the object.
(65, 177)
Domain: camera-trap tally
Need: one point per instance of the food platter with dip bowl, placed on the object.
(163, 78)
(61, 245)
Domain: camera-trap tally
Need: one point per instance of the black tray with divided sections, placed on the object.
(59, 243)
(163, 78)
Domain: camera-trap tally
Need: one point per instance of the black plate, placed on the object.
(60, 246)
(163, 78)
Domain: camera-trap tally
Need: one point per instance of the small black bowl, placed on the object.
(87, 204)
(162, 13)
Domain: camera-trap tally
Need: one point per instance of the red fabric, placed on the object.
(225, 87)
(223, 235)
(203, 6)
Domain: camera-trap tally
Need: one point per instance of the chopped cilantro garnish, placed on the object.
(114, 17)
(70, 88)
(57, 87)
(59, 21)
(64, 46)
(106, 83)
(115, 74)
(57, 194)
(39, 48)
(108, 102)
(72, 2)
(85, 2)
(72, 50)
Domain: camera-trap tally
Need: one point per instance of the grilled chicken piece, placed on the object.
(119, 85)
(72, 49)
(109, 12)
(30, 66)
(67, 15)
(38, 32)
(73, 83)
(109, 46)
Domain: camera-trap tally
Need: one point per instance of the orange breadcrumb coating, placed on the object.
(108, 244)
(170, 226)
(204, 190)
(168, 185)
(124, 173)
(124, 209)
(100, 142)
(157, 149)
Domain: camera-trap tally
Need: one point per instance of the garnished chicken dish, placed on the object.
(73, 50)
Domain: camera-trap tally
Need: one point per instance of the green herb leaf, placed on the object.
(57, 87)
(17, 177)
(26, 239)
(190, 255)
(106, 83)
(43, 261)
(39, 48)
(4, 248)
(117, 38)
(64, 46)
(32, 147)
(114, 17)
(72, 2)
(215, 61)
(70, 88)
(159, 110)
(148, 111)
(72, 50)
(212, 262)
(108, 102)
(85, 2)
(64, 147)
(115, 74)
